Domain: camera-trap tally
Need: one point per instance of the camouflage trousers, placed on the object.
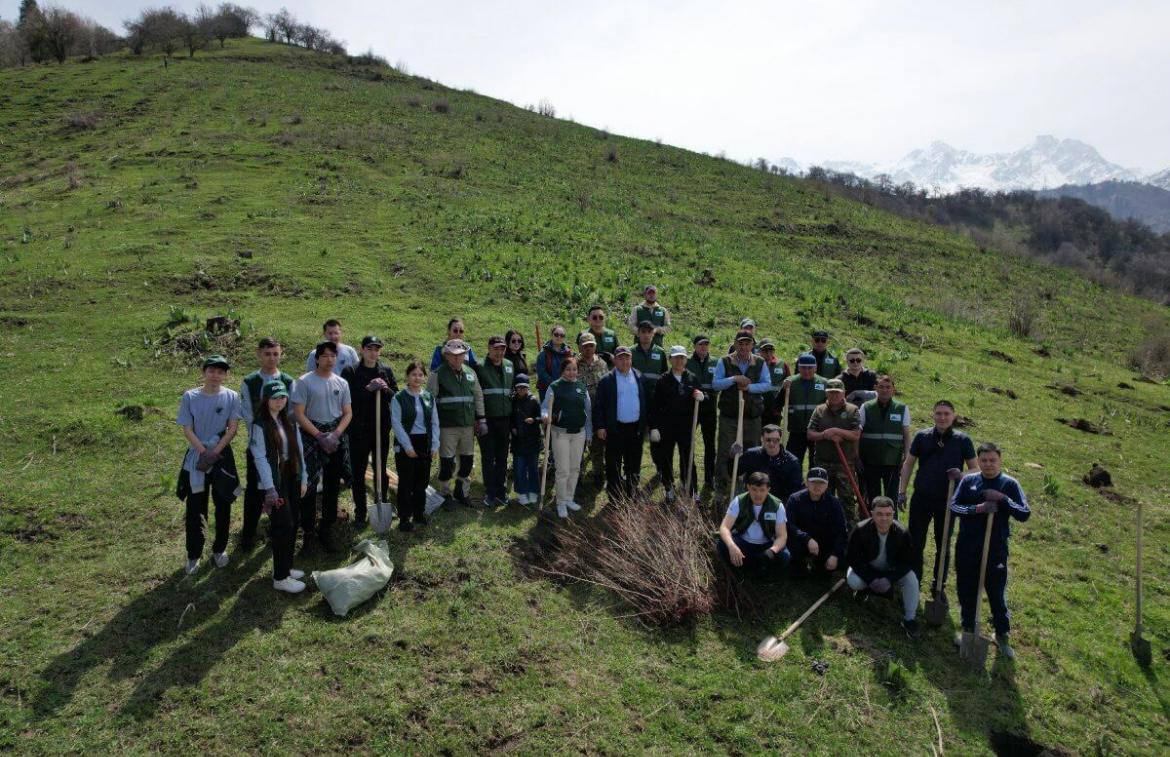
(840, 486)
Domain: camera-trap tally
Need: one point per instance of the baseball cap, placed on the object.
(818, 474)
(648, 287)
(217, 361)
(745, 335)
(746, 323)
(585, 338)
(645, 325)
(622, 351)
(820, 333)
(520, 380)
(678, 350)
(700, 339)
(835, 385)
(455, 347)
(273, 389)
(806, 359)
(371, 339)
(496, 340)
(767, 345)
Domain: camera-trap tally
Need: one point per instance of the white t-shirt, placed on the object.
(755, 532)
(880, 562)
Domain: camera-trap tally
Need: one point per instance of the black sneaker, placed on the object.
(421, 520)
(461, 495)
(360, 522)
(1005, 647)
(911, 628)
(405, 526)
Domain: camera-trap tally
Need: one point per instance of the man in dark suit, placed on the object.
(619, 419)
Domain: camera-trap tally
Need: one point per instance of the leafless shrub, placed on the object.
(658, 560)
(414, 102)
(83, 121)
(545, 108)
(1023, 316)
(441, 106)
(612, 155)
(1151, 356)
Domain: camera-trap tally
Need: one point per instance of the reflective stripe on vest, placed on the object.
(498, 390)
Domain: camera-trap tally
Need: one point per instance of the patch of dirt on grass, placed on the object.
(1080, 424)
(1066, 389)
(1098, 477)
(1117, 497)
(998, 355)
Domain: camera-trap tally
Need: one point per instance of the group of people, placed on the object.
(598, 406)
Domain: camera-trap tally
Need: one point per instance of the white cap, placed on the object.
(678, 350)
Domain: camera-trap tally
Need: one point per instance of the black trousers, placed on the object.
(493, 451)
(282, 529)
(197, 521)
(925, 511)
(708, 422)
(881, 480)
(361, 450)
(253, 500)
(331, 485)
(414, 473)
(672, 439)
(798, 445)
(623, 459)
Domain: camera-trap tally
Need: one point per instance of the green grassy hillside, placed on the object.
(282, 188)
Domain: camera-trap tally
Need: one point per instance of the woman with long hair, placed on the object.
(414, 415)
(514, 343)
(570, 417)
(455, 330)
(275, 442)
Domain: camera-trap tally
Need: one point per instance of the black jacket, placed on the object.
(362, 402)
(605, 408)
(864, 546)
(526, 437)
(671, 404)
(784, 472)
(823, 520)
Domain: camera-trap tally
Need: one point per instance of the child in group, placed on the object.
(210, 416)
(526, 441)
(275, 443)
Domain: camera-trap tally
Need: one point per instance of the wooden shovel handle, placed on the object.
(824, 598)
(945, 547)
(983, 567)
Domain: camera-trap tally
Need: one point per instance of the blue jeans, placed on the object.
(527, 472)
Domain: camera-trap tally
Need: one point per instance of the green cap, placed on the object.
(216, 360)
(835, 385)
(273, 390)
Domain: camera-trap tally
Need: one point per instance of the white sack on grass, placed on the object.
(346, 588)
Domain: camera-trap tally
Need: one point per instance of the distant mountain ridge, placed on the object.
(1143, 202)
(1046, 163)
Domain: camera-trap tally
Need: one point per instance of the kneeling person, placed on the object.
(816, 525)
(880, 555)
(754, 533)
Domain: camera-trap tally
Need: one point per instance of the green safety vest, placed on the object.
(827, 364)
(568, 404)
(650, 363)
(406, 404)
(456, 397)
(806, 395)
(704, 373)
(656, 315)
(254, 382)
(607, 342)
(882, 442)
(729, 399)
(778, 377)
(496, 383)
(747, 515)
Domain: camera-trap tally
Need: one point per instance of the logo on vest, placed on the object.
(769, 516)
(895, 416)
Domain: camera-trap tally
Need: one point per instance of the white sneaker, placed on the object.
(573, 506)
(297, 574)
(221, 559)
(192, 566)
(562, 510)
(290, 584)
(522, 499)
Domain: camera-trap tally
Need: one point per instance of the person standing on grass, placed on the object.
(549, 359)
(827, 362)
(817, 530)
(455, 330)
(370, 382)
(619, 420)
(605, 339)
(210, 416)
(702, 367)
(672, 406)
(837, 423)
(885, 438)
(526, 442)
(856, 377)
(268, 354)
(940, 452)
(650, 310)
(275, 442)
(414, 415)
(515, 352)
(748, 325)
(346, 355)
(571, 419)
(782, 467)
(323, 409)
(456, 389)
(990, 493)
(495, 380)
(753, 536)
(879, 556)
(740, 373)
(808, 392)
(774, 399)
(593, 369)
(649, 360)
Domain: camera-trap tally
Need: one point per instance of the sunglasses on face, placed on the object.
(559, 334)
(854, 360)
(516, 341)
(596, 317)
(456, 331)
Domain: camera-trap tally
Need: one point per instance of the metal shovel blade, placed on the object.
(973, 648)
(771, 649)
(1141, 649)
(381, 515)
(936, 612)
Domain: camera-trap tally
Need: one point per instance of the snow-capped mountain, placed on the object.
(1046, 163)
(1160, 179)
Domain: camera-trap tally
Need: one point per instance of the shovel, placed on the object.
(936, 606)
(687, 485)
(547, 440)
(383, 511)
(1138, 645)
(861, 503)
(973, 646)
(773, 648)
(738, 441)
(784, 418)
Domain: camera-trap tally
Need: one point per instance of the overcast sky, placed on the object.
(815, 81)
